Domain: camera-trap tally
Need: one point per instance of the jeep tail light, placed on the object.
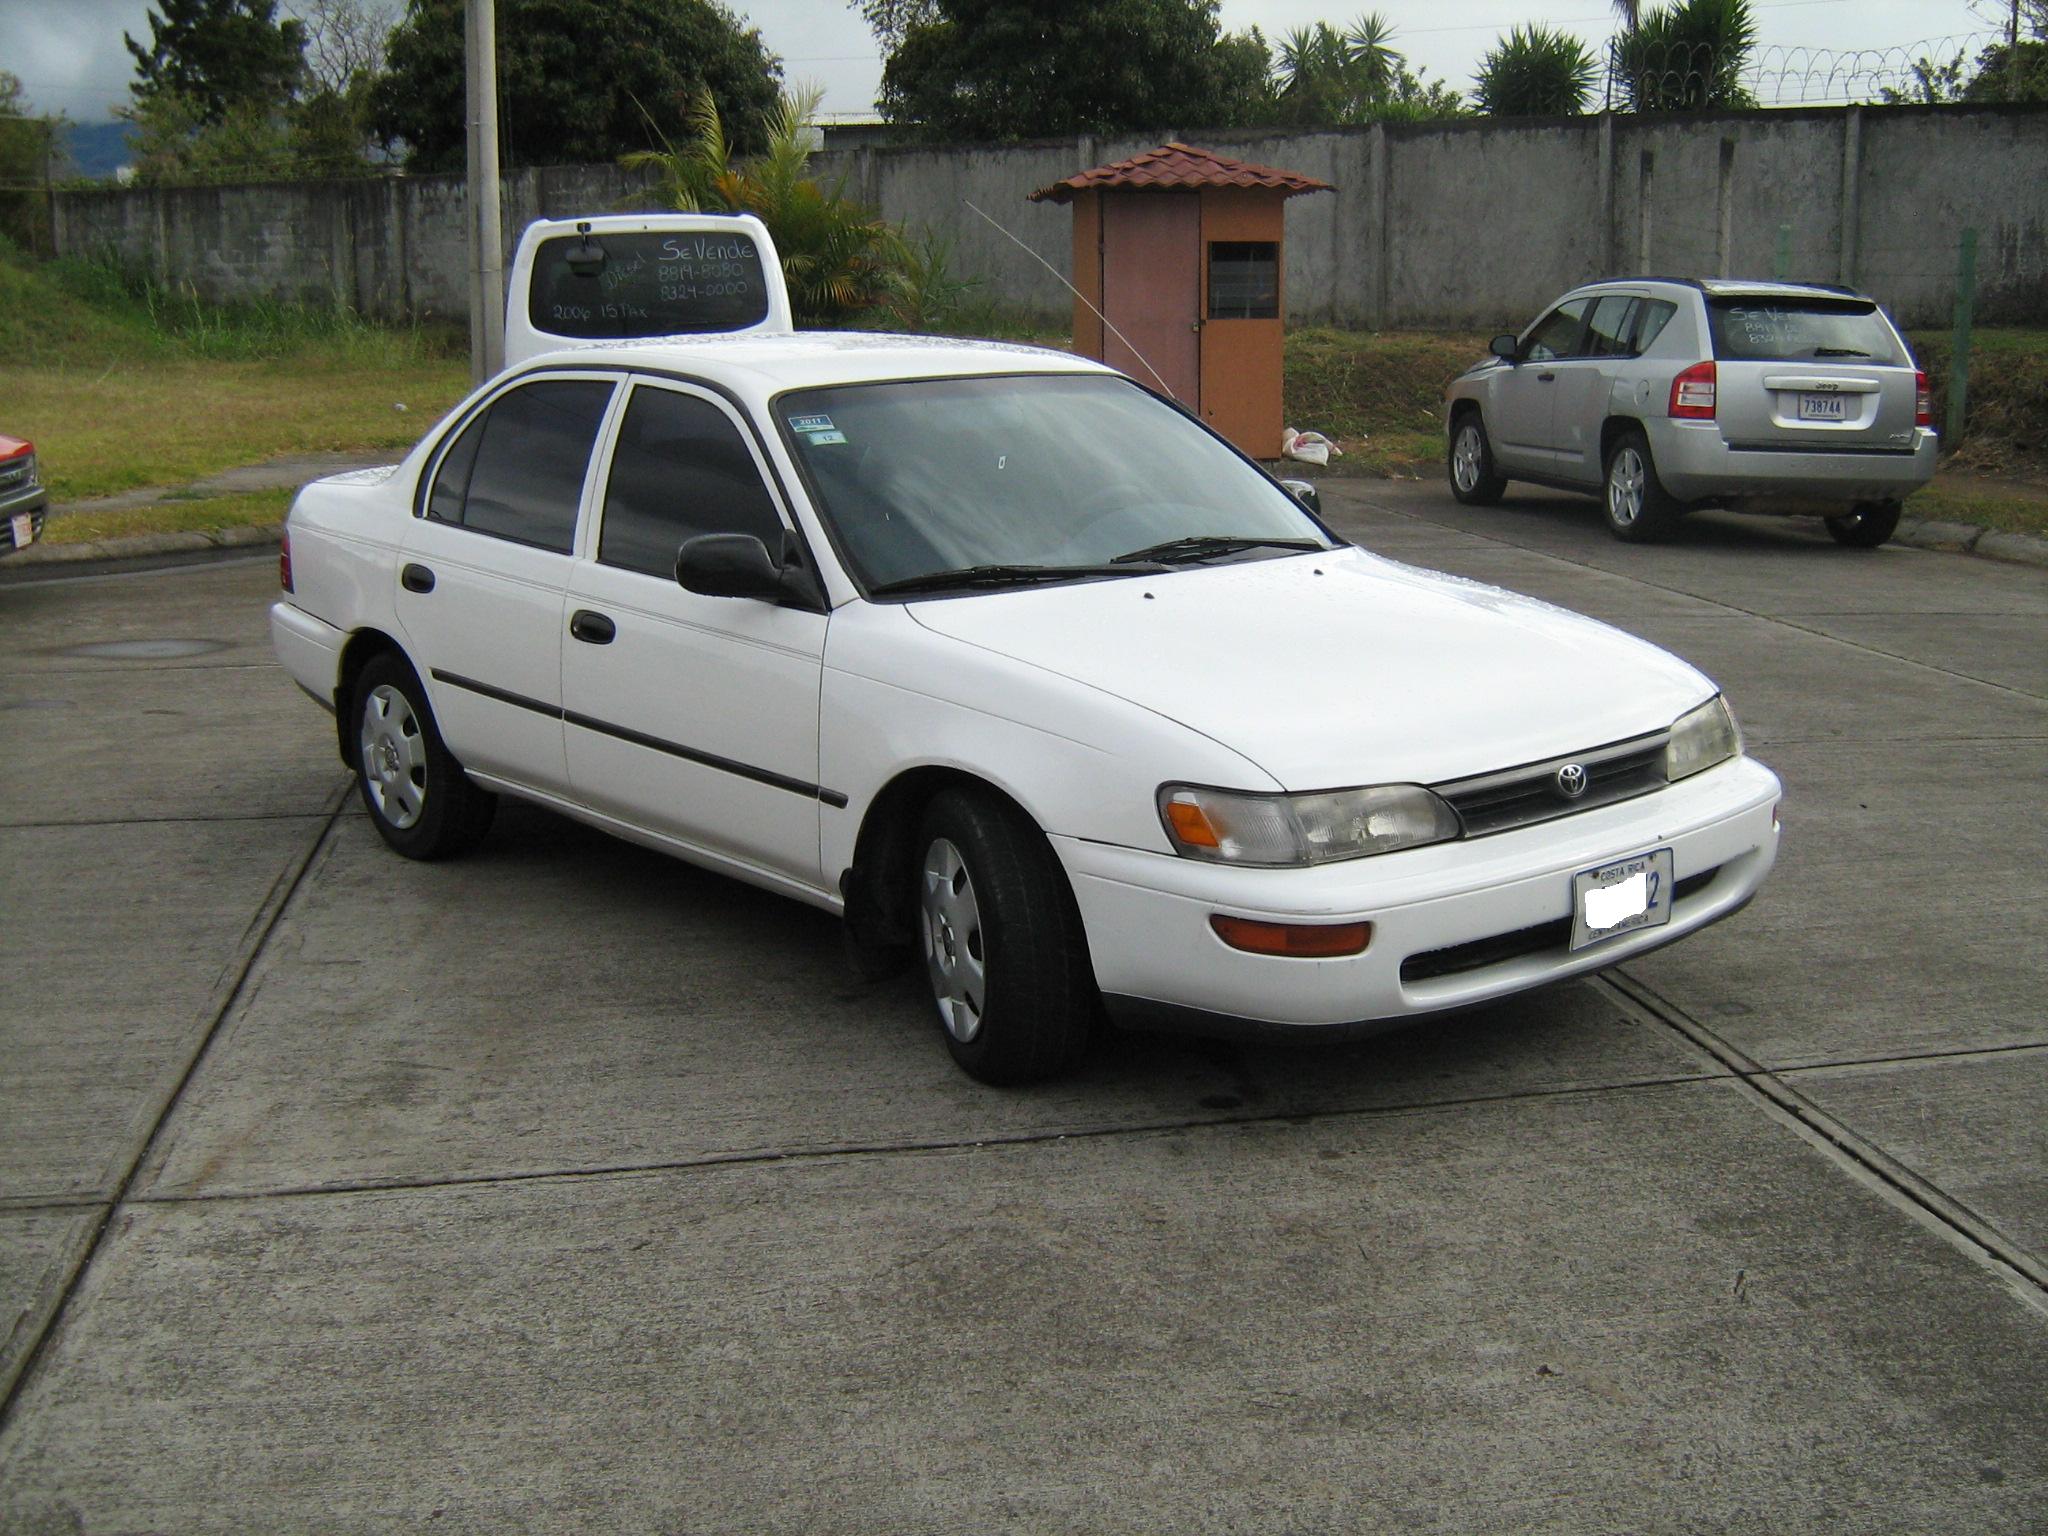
(284, 560)
(1692, 393)
(1923, 400)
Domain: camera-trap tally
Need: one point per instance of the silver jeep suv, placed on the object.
(1666, 394)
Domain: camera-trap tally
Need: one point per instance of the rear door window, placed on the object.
(517, 471)
(1800, 330)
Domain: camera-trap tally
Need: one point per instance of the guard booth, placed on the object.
(1183, 253)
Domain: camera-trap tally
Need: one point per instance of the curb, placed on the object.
(1969, 539)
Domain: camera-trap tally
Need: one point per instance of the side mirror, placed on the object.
(1505, 346)
(735, 565)
(1304, 491)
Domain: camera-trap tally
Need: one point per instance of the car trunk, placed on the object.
(1821, 374)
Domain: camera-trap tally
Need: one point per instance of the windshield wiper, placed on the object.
(1838, 352)
(1202, 546)
(999, 576)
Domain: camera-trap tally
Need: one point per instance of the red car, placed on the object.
(23, 501)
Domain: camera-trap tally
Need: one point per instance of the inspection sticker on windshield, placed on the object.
(1621, 897)
(810, 424)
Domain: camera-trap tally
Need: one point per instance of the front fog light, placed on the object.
(1277, 831)
(1702, 738)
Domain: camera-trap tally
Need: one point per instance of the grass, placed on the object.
(124, 386)
(1380, 395)
(184, 514)
(1968, 501)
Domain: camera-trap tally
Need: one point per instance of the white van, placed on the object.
(618, 276)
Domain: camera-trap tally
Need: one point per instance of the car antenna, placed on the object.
(587, 256)
(1077, 293)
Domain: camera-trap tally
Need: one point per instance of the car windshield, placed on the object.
(985, 482)
(1781, 330)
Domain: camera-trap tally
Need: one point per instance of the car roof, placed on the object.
(768, 363)
(1727, 287)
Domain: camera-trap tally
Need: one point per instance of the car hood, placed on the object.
(1340, 668)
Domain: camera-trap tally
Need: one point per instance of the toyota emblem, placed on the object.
(1571, 781)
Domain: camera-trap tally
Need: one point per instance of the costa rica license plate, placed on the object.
(1823, 407)
(1621, 897)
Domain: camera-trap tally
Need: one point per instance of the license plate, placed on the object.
(1823, 407)
(1621, 897)
(24, 530)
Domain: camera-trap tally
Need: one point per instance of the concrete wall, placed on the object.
(1471, 224)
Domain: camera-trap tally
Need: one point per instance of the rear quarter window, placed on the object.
(1777, 330)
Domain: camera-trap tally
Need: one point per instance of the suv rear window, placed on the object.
(1778, 330)
(609, 287)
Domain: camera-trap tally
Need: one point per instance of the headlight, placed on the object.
(1230, 827)
(1702, 738)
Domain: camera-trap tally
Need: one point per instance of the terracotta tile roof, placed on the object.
(1177, 167)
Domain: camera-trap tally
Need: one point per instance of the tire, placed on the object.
(1006, 959)
(1865, 525)
(1469, 463)
(420, 800)
(1638, 507)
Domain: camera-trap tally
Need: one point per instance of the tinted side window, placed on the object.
(680, 469)
(517, 470)
(1607, 332)
(1651, 318)
(1557, 333)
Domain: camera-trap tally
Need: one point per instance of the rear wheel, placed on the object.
(1005, 955)
(422, 803)
(1638, 507)
(1865, 525)
(1470, 463)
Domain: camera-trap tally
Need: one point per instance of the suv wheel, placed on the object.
(1865, 525)
(1638, 507)
(1470, 463)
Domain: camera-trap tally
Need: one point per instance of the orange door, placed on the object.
(1152, 289)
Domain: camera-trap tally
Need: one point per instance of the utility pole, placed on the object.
(486, 233)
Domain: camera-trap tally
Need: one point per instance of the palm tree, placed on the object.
(1376, 66)
(1536, 71)
(838, 258)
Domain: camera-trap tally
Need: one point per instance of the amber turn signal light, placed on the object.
(1302, 941)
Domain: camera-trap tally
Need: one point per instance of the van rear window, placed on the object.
(609, 287)
(1776, 330)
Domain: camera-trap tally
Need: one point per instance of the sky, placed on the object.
(69, 56)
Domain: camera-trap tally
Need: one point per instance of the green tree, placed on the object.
(579, 80)
(1015, 69)
(1536, 71)
(1327, 77)
(28, 148)
(218, 56)
(1688, 55)
(838, 257)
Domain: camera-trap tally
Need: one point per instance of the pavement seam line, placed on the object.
(1700, 597)
(1940, 1211)
(255, 939)
(923, 1146)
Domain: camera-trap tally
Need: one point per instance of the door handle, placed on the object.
(594, 628)
(416, 578)
(1546, 377)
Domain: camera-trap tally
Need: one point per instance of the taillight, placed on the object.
(1923, 400)
(284, 560)
(1692, 393)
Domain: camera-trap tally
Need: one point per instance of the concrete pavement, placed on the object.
(564, 1187)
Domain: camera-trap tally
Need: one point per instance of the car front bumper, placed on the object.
(33, 503)
(1453, 924)
(1696, 463)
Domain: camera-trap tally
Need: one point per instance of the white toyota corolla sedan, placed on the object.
(1018, 668)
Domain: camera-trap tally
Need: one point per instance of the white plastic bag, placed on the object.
(1308, 447)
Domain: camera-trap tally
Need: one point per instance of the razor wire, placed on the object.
(1648, 76)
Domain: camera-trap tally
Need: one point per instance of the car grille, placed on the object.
(15, 475)
(1477, 954)
(1521, 797)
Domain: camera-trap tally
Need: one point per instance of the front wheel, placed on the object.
(421, 801)
(1005, 955)
(1865, 525)
(1638, 507)
(1470, 463)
